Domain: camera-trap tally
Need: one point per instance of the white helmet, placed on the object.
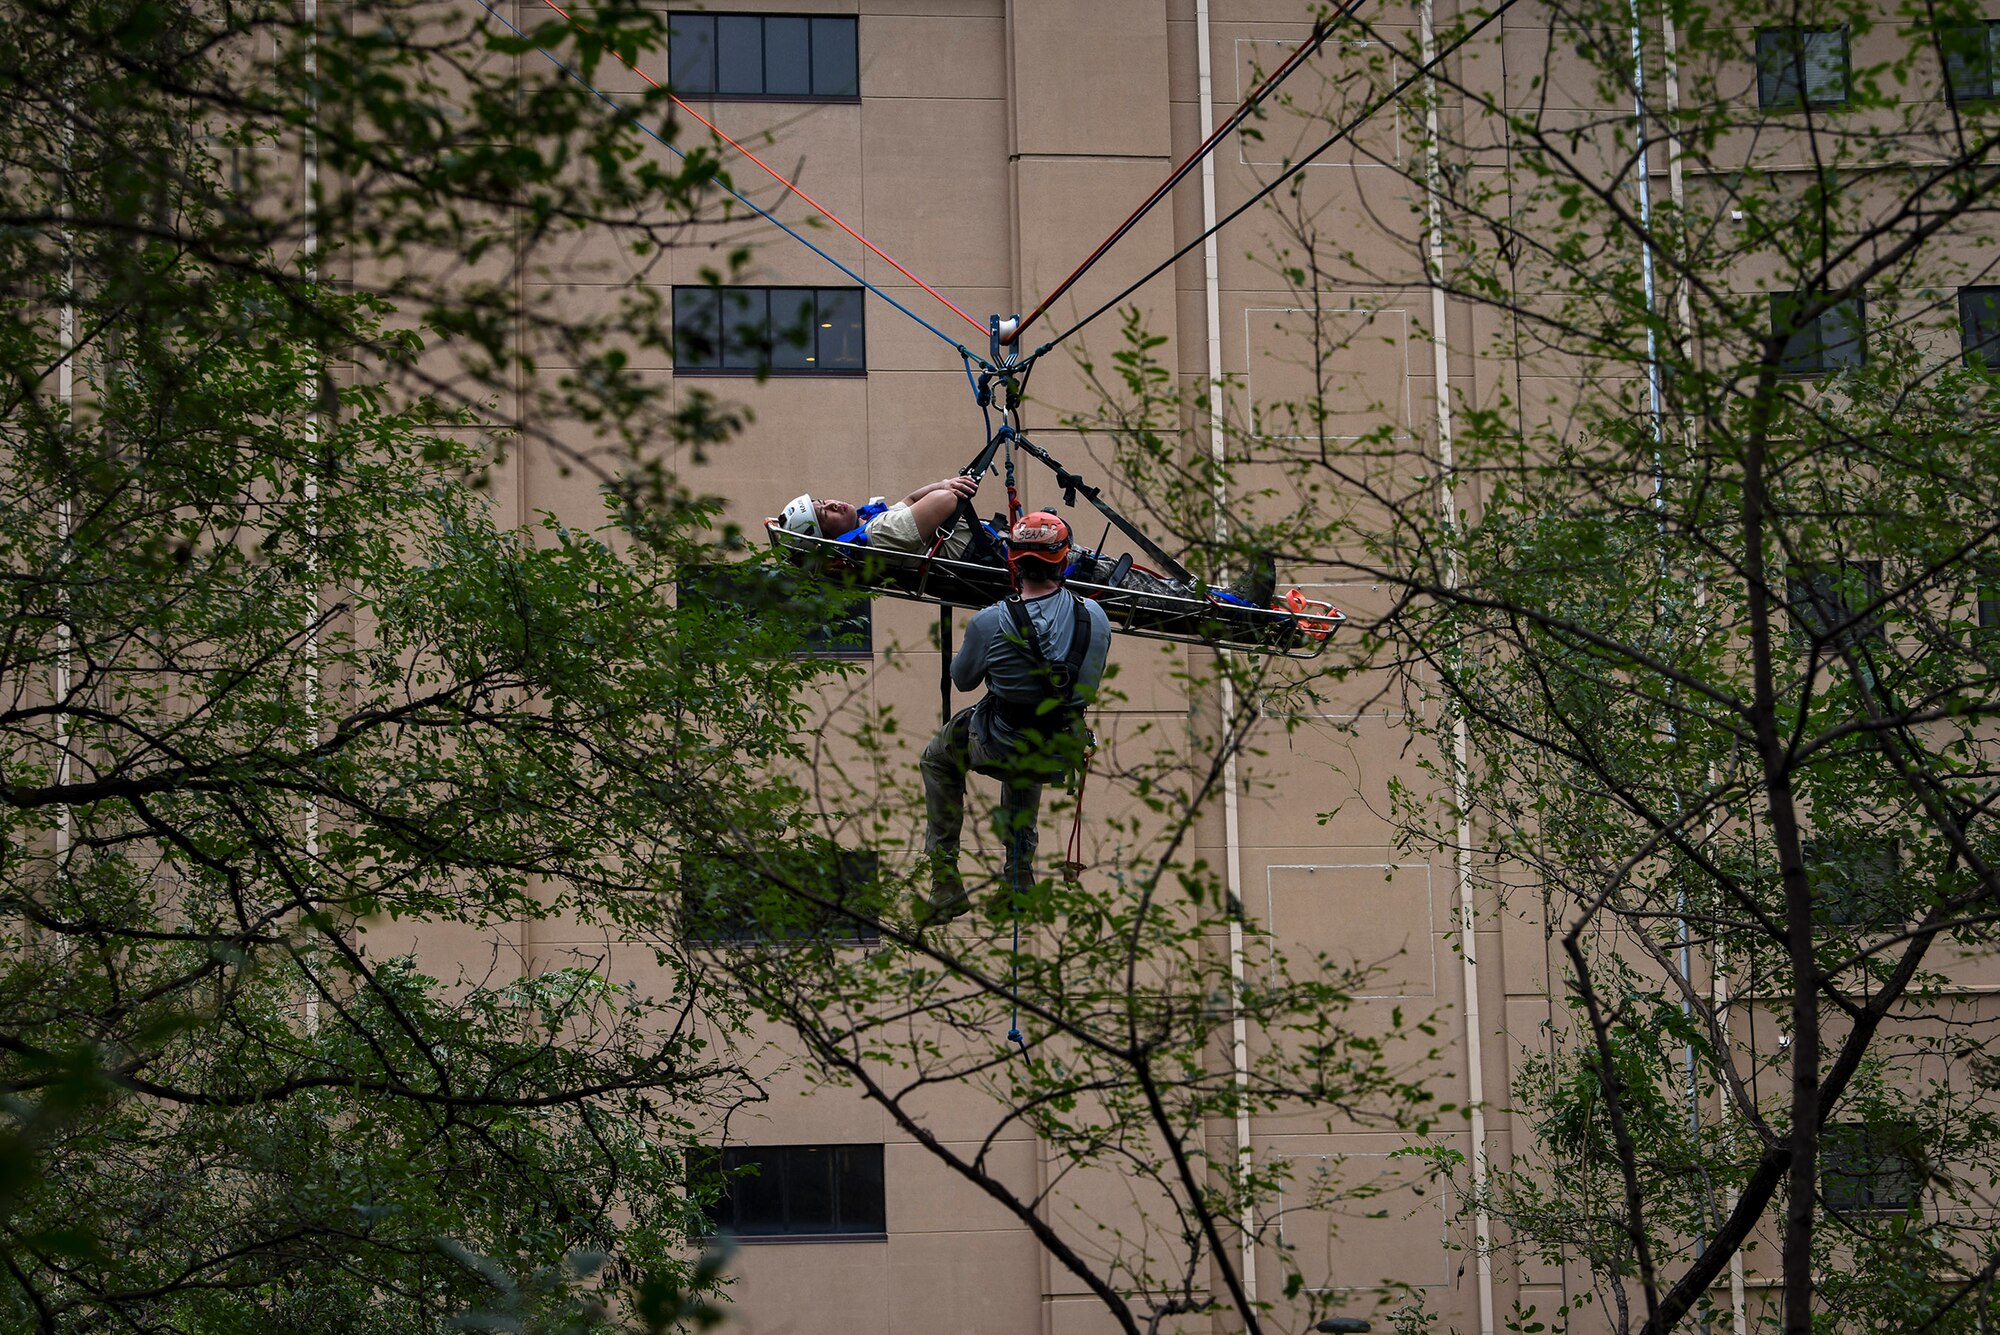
(801, 516)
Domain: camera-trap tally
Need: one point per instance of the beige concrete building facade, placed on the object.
(987, 145)
(992, 146)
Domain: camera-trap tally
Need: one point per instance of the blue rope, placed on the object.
(752, 205)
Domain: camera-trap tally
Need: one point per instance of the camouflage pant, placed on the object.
(951, 755)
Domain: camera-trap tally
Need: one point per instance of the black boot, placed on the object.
(1258, 584)
(948, 897)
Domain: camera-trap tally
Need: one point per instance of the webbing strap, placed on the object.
(1062, 678)
(1073, 484)
(1079, 640)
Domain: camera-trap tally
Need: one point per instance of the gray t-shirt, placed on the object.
(1010, 670)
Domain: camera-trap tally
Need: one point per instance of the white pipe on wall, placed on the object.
(1739, 1316)
(1239, 1046)
(309, 150)
(65, 520)
(1461, 742)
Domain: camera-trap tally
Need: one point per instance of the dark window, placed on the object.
(844, 896)
(1984, 584)
(788, 56)
(1979, 323)
(798, 1191)
(1827, 603)
(1801, 67)
(1834, 340)
(838, 624)
(1870, 1167)
(1856, 879)
(1968, 60)
(769, 330)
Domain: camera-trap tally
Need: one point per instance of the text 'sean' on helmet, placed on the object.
(801, 516)
(1039, 536)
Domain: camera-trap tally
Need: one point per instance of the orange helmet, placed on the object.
(1040, 536)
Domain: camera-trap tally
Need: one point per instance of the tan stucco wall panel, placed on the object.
(937, 192)
(924, 1196)
(1089, 78)
(926, 52)
(1356, 1219)
(789, 1288)
(1332, 791)
(924, 424)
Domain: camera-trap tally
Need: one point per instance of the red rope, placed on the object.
(824, 212)
(1073, 861)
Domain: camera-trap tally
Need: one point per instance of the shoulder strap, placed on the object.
(1064, 676)
(1024, 628)
(1079, 643)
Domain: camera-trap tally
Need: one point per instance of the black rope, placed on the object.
(1306, 51)
(944, 656)
(1417, 73)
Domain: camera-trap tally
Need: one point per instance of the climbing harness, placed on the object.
(1060, 678)
(1066, 718)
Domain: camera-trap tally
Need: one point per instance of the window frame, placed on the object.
(1989, 44)
(1981, 354)
(781, 1168)
(857, 879)
(1771, 74)
(1876, 1150)
(1816, 590)
(1805, 353)
(732, 357)
(681, 74)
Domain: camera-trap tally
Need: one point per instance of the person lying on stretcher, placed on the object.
(913, 524)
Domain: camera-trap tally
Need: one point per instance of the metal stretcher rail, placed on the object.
(1298, 630)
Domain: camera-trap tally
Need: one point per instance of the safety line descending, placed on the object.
(1420, 71)
(743, 199)
(1306, 50)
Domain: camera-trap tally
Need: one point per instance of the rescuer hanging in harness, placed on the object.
(1040, 654)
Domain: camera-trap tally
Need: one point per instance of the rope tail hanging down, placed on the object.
(1005, 438)
(1014, 972)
